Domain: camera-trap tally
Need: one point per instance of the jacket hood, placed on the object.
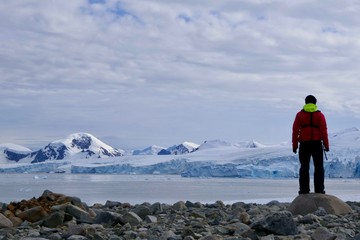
(310, 107)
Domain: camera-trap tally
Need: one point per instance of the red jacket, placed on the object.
(309, 124)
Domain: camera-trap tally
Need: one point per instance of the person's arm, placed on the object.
(295, 133)
(324, 133)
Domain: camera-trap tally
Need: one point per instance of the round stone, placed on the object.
(309, 203)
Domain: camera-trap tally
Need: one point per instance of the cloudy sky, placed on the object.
(144, 72)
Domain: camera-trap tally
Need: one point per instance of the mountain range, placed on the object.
(83, 145)
(84, 153)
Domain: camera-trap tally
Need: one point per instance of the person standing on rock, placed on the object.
(310, 132)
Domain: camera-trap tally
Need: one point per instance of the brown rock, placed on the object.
(309, 203)
(16, 221)
(33, 214)
(11, 207)
(8, 214)
(5, 222)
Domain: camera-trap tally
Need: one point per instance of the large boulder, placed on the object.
(5, 222)
(33, 214)
(309, 203)
(280, 223)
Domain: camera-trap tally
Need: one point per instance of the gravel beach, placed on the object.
(57, 216)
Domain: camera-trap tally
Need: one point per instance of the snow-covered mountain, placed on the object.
(13, 152)
(213, 158)
(346, 138)
(214, 144)
(152, 150)
(184, 148)
(251, 144)
(78, 145)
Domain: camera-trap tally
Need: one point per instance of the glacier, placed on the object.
(213, 158)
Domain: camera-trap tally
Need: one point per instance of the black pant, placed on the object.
(307, 150)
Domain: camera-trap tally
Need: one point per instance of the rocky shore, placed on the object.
(57, 216)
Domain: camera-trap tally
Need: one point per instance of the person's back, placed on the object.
(310, 130)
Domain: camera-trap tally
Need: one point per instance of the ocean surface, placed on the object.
(135, 189)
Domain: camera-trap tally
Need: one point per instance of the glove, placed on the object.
(326, 149)
(294, 150)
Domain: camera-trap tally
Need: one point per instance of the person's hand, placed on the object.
(294, 150)
(326, 149)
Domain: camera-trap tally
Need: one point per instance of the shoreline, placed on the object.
(57, 216)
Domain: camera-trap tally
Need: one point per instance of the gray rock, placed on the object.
(79, 214)
(111, 204)
(55, 236)
(211, 237)
(156, 208)
(309, 219)
(189, 238)
(131, 218)
(150, 219)
(322, 233)
(268, 237)
(60, 207)
(107, 218)
(357, 236)
(216, 215)
(49, 195)
(114, 237)
(169, 235)
(238, 228)
(77, 237)
(34, 238)
(179, 206)
(309, 203)
(54, 219)
(345, 233)
(280, 223)
(197, 214)
(142, 211)
(77, 202)
(74, 229)
(189, 204)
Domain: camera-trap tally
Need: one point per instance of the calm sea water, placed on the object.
(163, 188)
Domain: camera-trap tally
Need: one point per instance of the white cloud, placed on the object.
(129, 65)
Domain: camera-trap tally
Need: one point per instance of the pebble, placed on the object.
(56, 216)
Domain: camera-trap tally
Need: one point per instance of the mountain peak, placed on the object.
(185, 147)
(254, 144)
(152, 150)
(191, 145)
(214, 144)
(77, 145)
(82, 141)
